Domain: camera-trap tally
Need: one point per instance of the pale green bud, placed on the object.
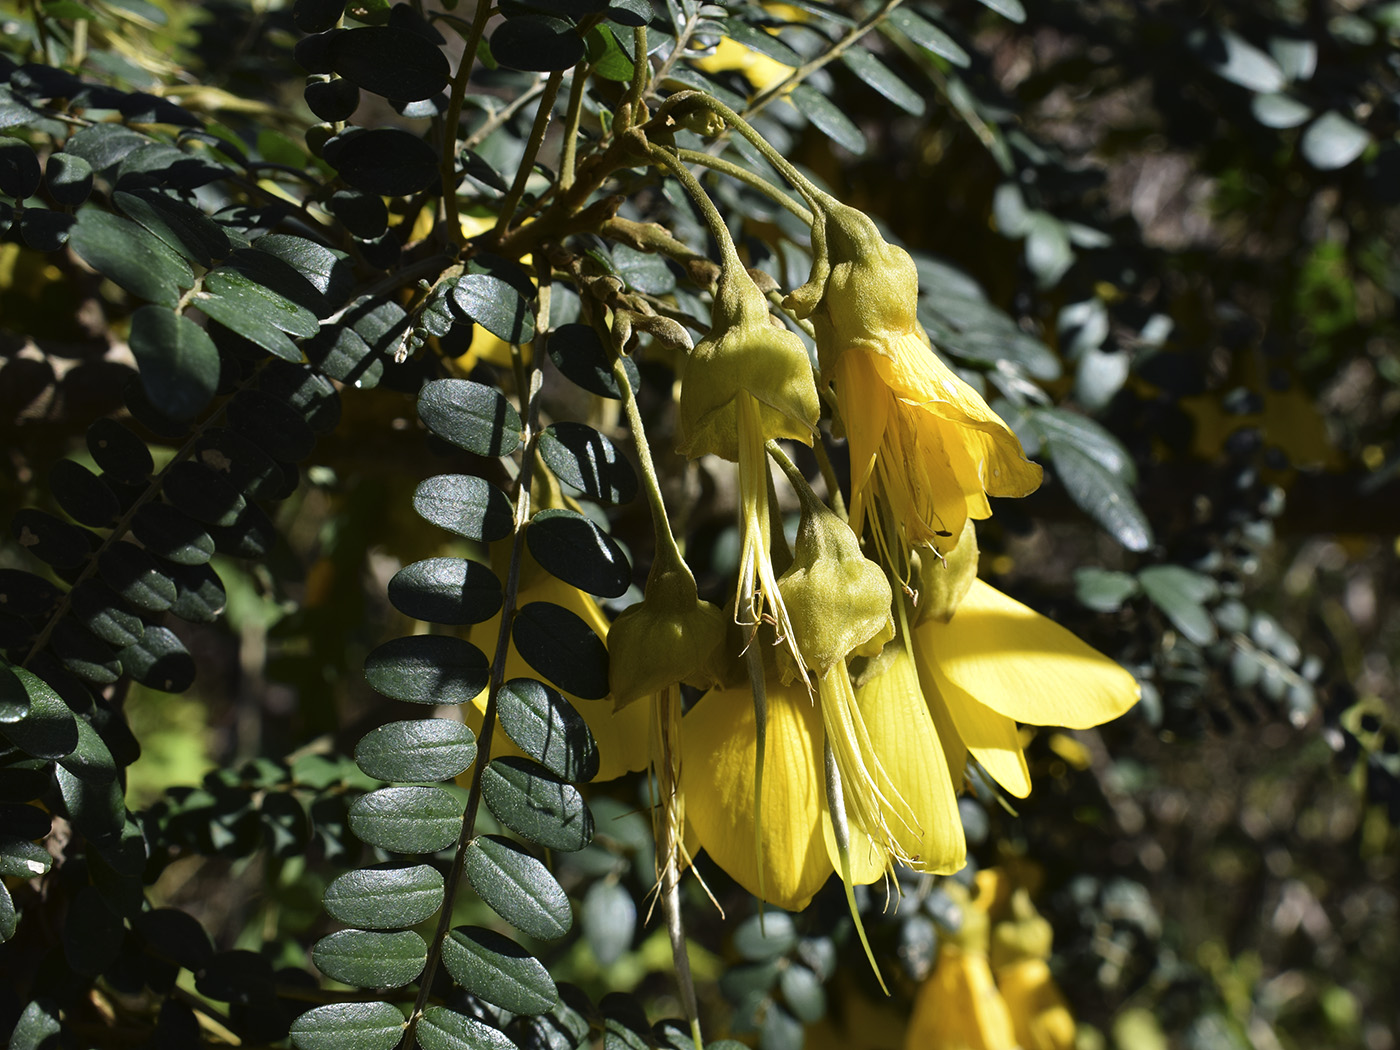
(670, 636)
(943, 581)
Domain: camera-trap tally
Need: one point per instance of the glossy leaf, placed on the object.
(272, 424)
(1181, 595)
(517, 887)
(547, 728)
(538, 43)
(343, 354)
(580, 356)
(496, 305)
(203, 494)
(580, 456)
(423, 749)
(82, 494)
(560, 646)
(1101, 494)
(493, 967)
(84, 654)
(446, 590)
(159, 660)
(828, 119)
(47, 728)
(178, 225)
(199, 595)
(884, 80)
(137, 577)
(172, 534)
(570, 546)
(389, 61)
(370, 959)
(103, 612)
(466, 505)
(240, 461)
(349, 1026)
(428, 669)
(444, 1029)
(120, 453)
(926, 34)
(385, 899)
(179, 362)
(387, 161)
(51, 539)
(130, 255)
(536, 805)
(20, 173)
(609, 918)
(407, 819)
(38, 1027)
(471, 415)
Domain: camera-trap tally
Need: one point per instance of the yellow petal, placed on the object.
(959, 1007)
(903, 735)
(717, 779)
(1038, 1011)
(1024, 665)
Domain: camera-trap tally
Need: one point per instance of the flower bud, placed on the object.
(944, 580)
(670, 636)
(837, 600)
(744, 352)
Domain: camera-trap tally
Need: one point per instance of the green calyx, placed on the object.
(944, 580)
(837, 600)
(745, 353)
(863, 291)
(669, 636)
(1027, 936)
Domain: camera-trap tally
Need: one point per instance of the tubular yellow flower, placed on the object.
(1020, 948)
(997, 662)
(922, 441)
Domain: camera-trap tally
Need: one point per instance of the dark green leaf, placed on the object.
(538, 43)
(1332, 141)
(136, 576)
(1101, 494)
(1089, 437)
(179, 225)
(21, 859)
(643, 271)
(130, 255)
(757, 40)
(536, 805)
(275, 263)
(20, 173)
(444, 1029)
(496, 305)
(466, 505)
(203, 494)
(104, 145)
(558, 644)
(103, 612)
(44, 231)
(272, 424)
(96, 808)
(389, 61)
(580, 356)
(329, 271)
(493, 967)
(423, 749)
(371, 960)
(446, 590)
(517, 887)
(51, 539)
(242, 462)
(1103, 590)
(387, 161)
(159, 660)
(82, 494)
(363, 214)
(306, 390)
(84, 654)
(822, 112)
(630, 13)
(38, 1027)
(580, 456)
(570, 546)
(14, 697)
(90, 759)
(407, 819)
(606, 57)
(428, 669)
(760, 938)
(1181, 594)
(546, 727)
(1011, 9)
(609, 917)
(46, 728)
(200, 596)
(179, 362)
(625, 1025)
(92, 935)
(884, 80)
(120, 453)
(9, 918)
(349, 1026)
(316, 16)
(251, 536)
(342, 354)
(176, 935)
(385, 899)
(258, 315)
(926, 34)
(471, 415)
(24, 822)
(172, 534)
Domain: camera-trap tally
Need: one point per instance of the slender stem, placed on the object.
(678, 49)
(660, 521)
(527, 160)
(636, 90)
(571, 122)
(453, 117)
(498, 674)
(758, 182)
(708, 211)
(805, 70)
(667, 713)
(833, 485)
(496, 119)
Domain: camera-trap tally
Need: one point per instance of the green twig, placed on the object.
(452, 118)
(527, 160)
(749, 178)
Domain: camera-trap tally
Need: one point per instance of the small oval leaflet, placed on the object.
(570, 546)
(537, 43)
(179, 362)
(130, 255)
(421, 749)
(159, 660)
(172, 534)
(371, 959)
(446, 590)
(83, 495)
(557, 643)
(51, 539)
(466, 505)
(387, 161)
(496, 305)
(118, 451)
(547, 728)
(580, 356)
(471, 415)
(428, 669)
(349, 1026)
(136, 576)
(585, 459)
(444, 1029)
(492, 966)
(537, 805)
(407, 819)
(517, 887)
(389, 61)
(48, 728)
(385, 899)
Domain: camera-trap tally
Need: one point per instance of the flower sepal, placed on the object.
(943, 580)
(669, 636)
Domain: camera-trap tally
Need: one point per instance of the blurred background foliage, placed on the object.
(1164, 236)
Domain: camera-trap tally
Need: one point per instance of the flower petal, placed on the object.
(717, 779)
(959, 1007)
(1025, 666)
(903, 735)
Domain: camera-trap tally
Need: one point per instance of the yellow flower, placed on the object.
(997, 662)
(959, 1007)
(923, 443)
(796, 852)
(760, 70)
(1020, 948)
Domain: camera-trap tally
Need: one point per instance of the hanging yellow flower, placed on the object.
(1019, 954)
(923, 443)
